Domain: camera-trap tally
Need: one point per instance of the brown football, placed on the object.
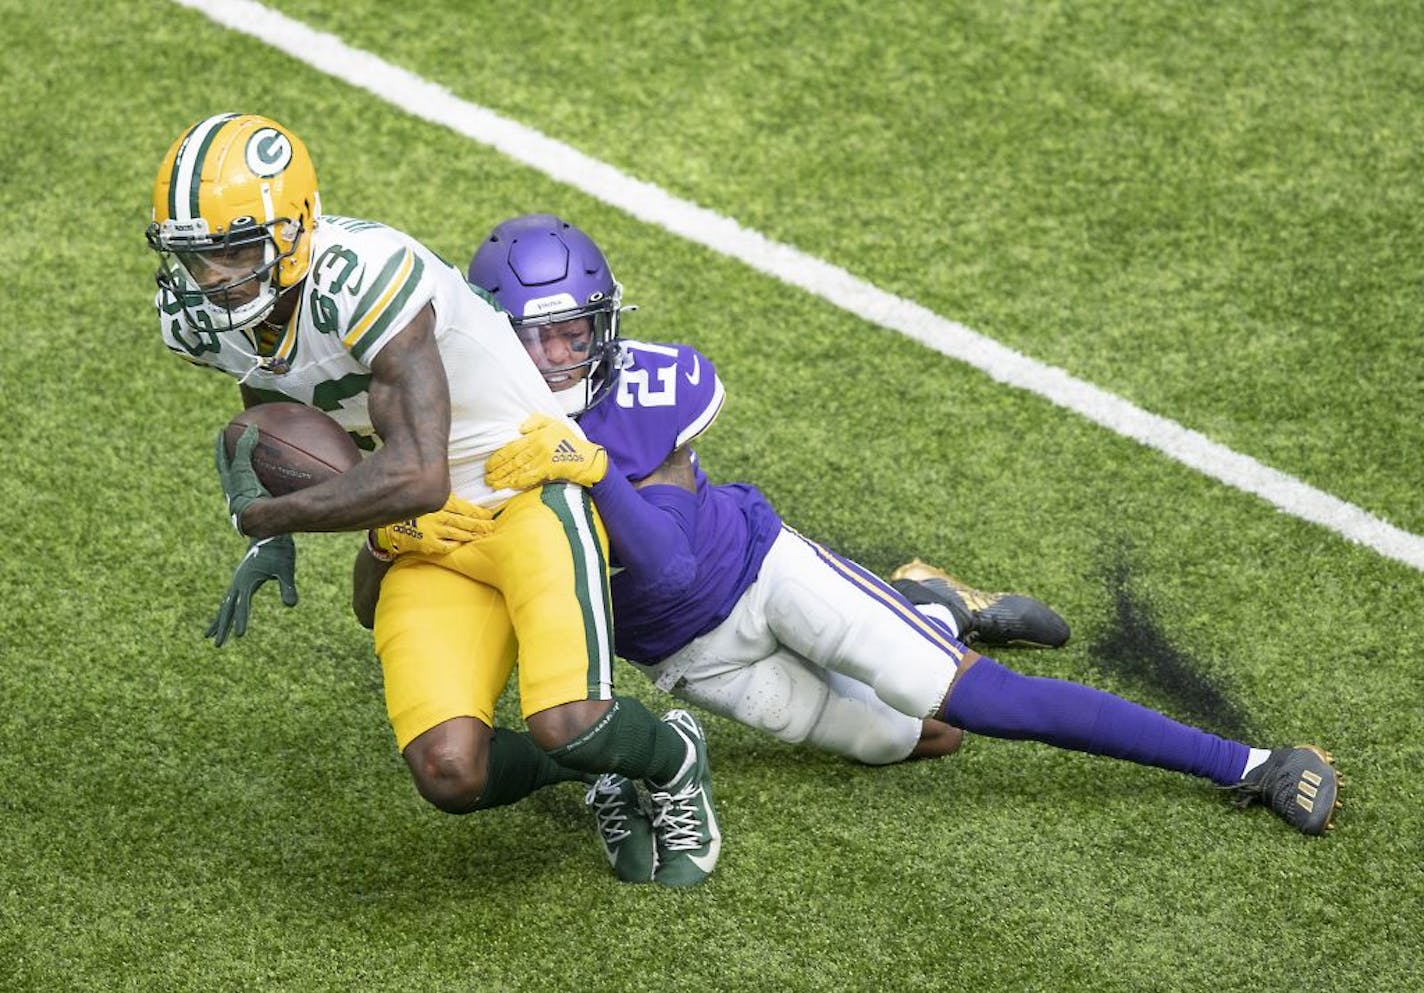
(297, 446)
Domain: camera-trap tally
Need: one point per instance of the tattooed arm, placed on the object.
(408, 476)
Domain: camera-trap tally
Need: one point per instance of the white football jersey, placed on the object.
(368, 281)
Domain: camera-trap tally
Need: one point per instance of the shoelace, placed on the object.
(676, 819)
(1275, 789)
(1267, 785)
(608, 812)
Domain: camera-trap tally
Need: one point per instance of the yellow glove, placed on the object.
(548, 452)
(435, 533)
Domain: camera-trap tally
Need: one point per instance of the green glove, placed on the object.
(267, 558)
(239, 480)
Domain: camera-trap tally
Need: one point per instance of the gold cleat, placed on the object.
(995, 619)
(1300, 785)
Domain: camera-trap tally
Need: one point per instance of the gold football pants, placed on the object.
(449, 628)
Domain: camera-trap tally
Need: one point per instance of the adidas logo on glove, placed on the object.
(566, 452)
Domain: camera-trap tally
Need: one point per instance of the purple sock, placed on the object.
(991, 700)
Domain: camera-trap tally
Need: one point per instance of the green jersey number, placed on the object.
(333, 394)
(330, 274)
(330, 396)
(203, 339)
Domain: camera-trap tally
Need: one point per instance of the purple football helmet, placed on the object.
(544, 272)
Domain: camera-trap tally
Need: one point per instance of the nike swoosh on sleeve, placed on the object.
(695, 376)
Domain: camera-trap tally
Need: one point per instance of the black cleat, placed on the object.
(997, 619)
(1299, 784)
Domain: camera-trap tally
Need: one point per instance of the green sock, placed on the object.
(518, 767)
(627, 740)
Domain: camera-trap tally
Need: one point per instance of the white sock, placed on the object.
(941, 613)
(1255, 758)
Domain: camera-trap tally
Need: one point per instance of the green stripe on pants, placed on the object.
(571, 505)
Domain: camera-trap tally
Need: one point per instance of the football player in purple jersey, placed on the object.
(720, 603)
(718, 613)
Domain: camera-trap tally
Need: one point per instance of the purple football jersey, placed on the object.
(665, 396)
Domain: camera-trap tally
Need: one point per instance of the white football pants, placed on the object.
(822, 651)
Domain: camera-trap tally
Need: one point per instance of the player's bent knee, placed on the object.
(448, 782)
(866, 731)
(915, 686)
(448, 768)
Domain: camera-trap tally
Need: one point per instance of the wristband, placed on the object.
(376, 551)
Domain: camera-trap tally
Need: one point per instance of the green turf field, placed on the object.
(1210, 210)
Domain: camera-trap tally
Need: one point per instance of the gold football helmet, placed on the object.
(234, 207)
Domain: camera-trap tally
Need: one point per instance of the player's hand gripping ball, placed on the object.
(271, 450)
(297, 446)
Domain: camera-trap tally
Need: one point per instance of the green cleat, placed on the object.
(623, 826)
(1299, 784)
(999, 620)
(684, 822)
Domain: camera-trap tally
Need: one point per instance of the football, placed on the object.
(297, 446)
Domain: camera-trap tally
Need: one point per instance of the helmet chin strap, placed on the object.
(256, 363)
(260, 363)
(269, 363)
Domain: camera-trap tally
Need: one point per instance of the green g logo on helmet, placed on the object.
(268, 152)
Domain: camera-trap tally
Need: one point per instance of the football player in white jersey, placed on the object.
(365, 323)
(724, 605)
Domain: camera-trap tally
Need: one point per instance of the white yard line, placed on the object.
(433, 103)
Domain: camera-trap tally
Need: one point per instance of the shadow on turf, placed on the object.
(1135, 649)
